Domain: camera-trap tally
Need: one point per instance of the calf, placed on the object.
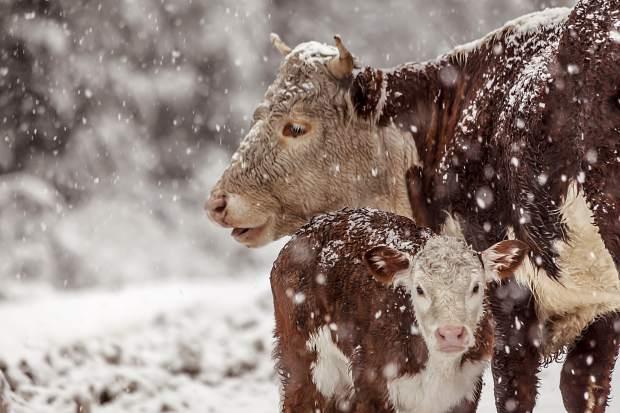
(376, 314)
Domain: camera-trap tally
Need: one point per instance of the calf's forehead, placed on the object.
(447, 262)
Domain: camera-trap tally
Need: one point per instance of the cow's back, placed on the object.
(590, 74)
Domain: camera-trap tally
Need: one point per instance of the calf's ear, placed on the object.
(503, 258)
(385, 263)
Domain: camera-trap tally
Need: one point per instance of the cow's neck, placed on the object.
(396, 152)
(424, 101)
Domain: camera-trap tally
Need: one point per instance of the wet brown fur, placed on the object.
(370, 342)
(571, 117)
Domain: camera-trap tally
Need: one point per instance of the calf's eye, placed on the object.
(475, 289)
(419, 291)
(293, 130)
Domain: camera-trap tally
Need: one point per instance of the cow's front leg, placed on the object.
(516, 359)
(586, 376)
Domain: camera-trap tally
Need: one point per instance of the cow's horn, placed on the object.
(279, 44)
(341, 66)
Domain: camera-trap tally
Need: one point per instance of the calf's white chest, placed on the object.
(440, 386)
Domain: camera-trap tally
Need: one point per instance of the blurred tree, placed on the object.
(29, 122)
(120, 111)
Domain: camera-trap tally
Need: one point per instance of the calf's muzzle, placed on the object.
(451, 338)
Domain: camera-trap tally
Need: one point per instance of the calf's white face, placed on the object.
(447, 282)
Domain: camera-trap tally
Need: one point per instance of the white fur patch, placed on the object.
(589, 285)
(382, 99)
(452, 227)
(378, 262)
(440, 386)
(330, 372)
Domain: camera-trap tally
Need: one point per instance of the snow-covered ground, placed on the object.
(116, 294)
(184, 347)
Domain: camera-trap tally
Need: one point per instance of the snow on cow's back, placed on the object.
(514, 78)
(348, 233)
(518, 28)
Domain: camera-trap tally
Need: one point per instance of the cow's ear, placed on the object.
(503, 258)
(386, 263)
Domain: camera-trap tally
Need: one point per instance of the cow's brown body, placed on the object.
(502, 130)
(505, 130)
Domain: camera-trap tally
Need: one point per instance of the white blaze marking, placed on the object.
(330, 371)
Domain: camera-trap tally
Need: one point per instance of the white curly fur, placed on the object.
(589, 285)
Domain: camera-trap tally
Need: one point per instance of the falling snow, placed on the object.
(115, 119)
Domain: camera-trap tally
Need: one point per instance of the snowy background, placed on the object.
(116, 118)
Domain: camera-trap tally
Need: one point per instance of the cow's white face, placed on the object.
(305, 154)
(447, 281)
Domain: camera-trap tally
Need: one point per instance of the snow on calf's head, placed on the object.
(447, 281)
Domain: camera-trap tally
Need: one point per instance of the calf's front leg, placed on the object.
(470, 406)
(371, 388)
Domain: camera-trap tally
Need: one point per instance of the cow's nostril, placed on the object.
(216, 205)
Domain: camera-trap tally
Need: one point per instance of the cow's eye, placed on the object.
(419, 291)
(293, 130)
(476, 289)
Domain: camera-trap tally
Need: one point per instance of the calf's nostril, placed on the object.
(451, 334)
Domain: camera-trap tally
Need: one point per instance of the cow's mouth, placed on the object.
(238, 232)
(250, 237)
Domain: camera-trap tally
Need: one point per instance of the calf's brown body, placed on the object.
(321, 283)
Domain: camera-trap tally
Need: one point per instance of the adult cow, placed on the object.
(511, 134)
